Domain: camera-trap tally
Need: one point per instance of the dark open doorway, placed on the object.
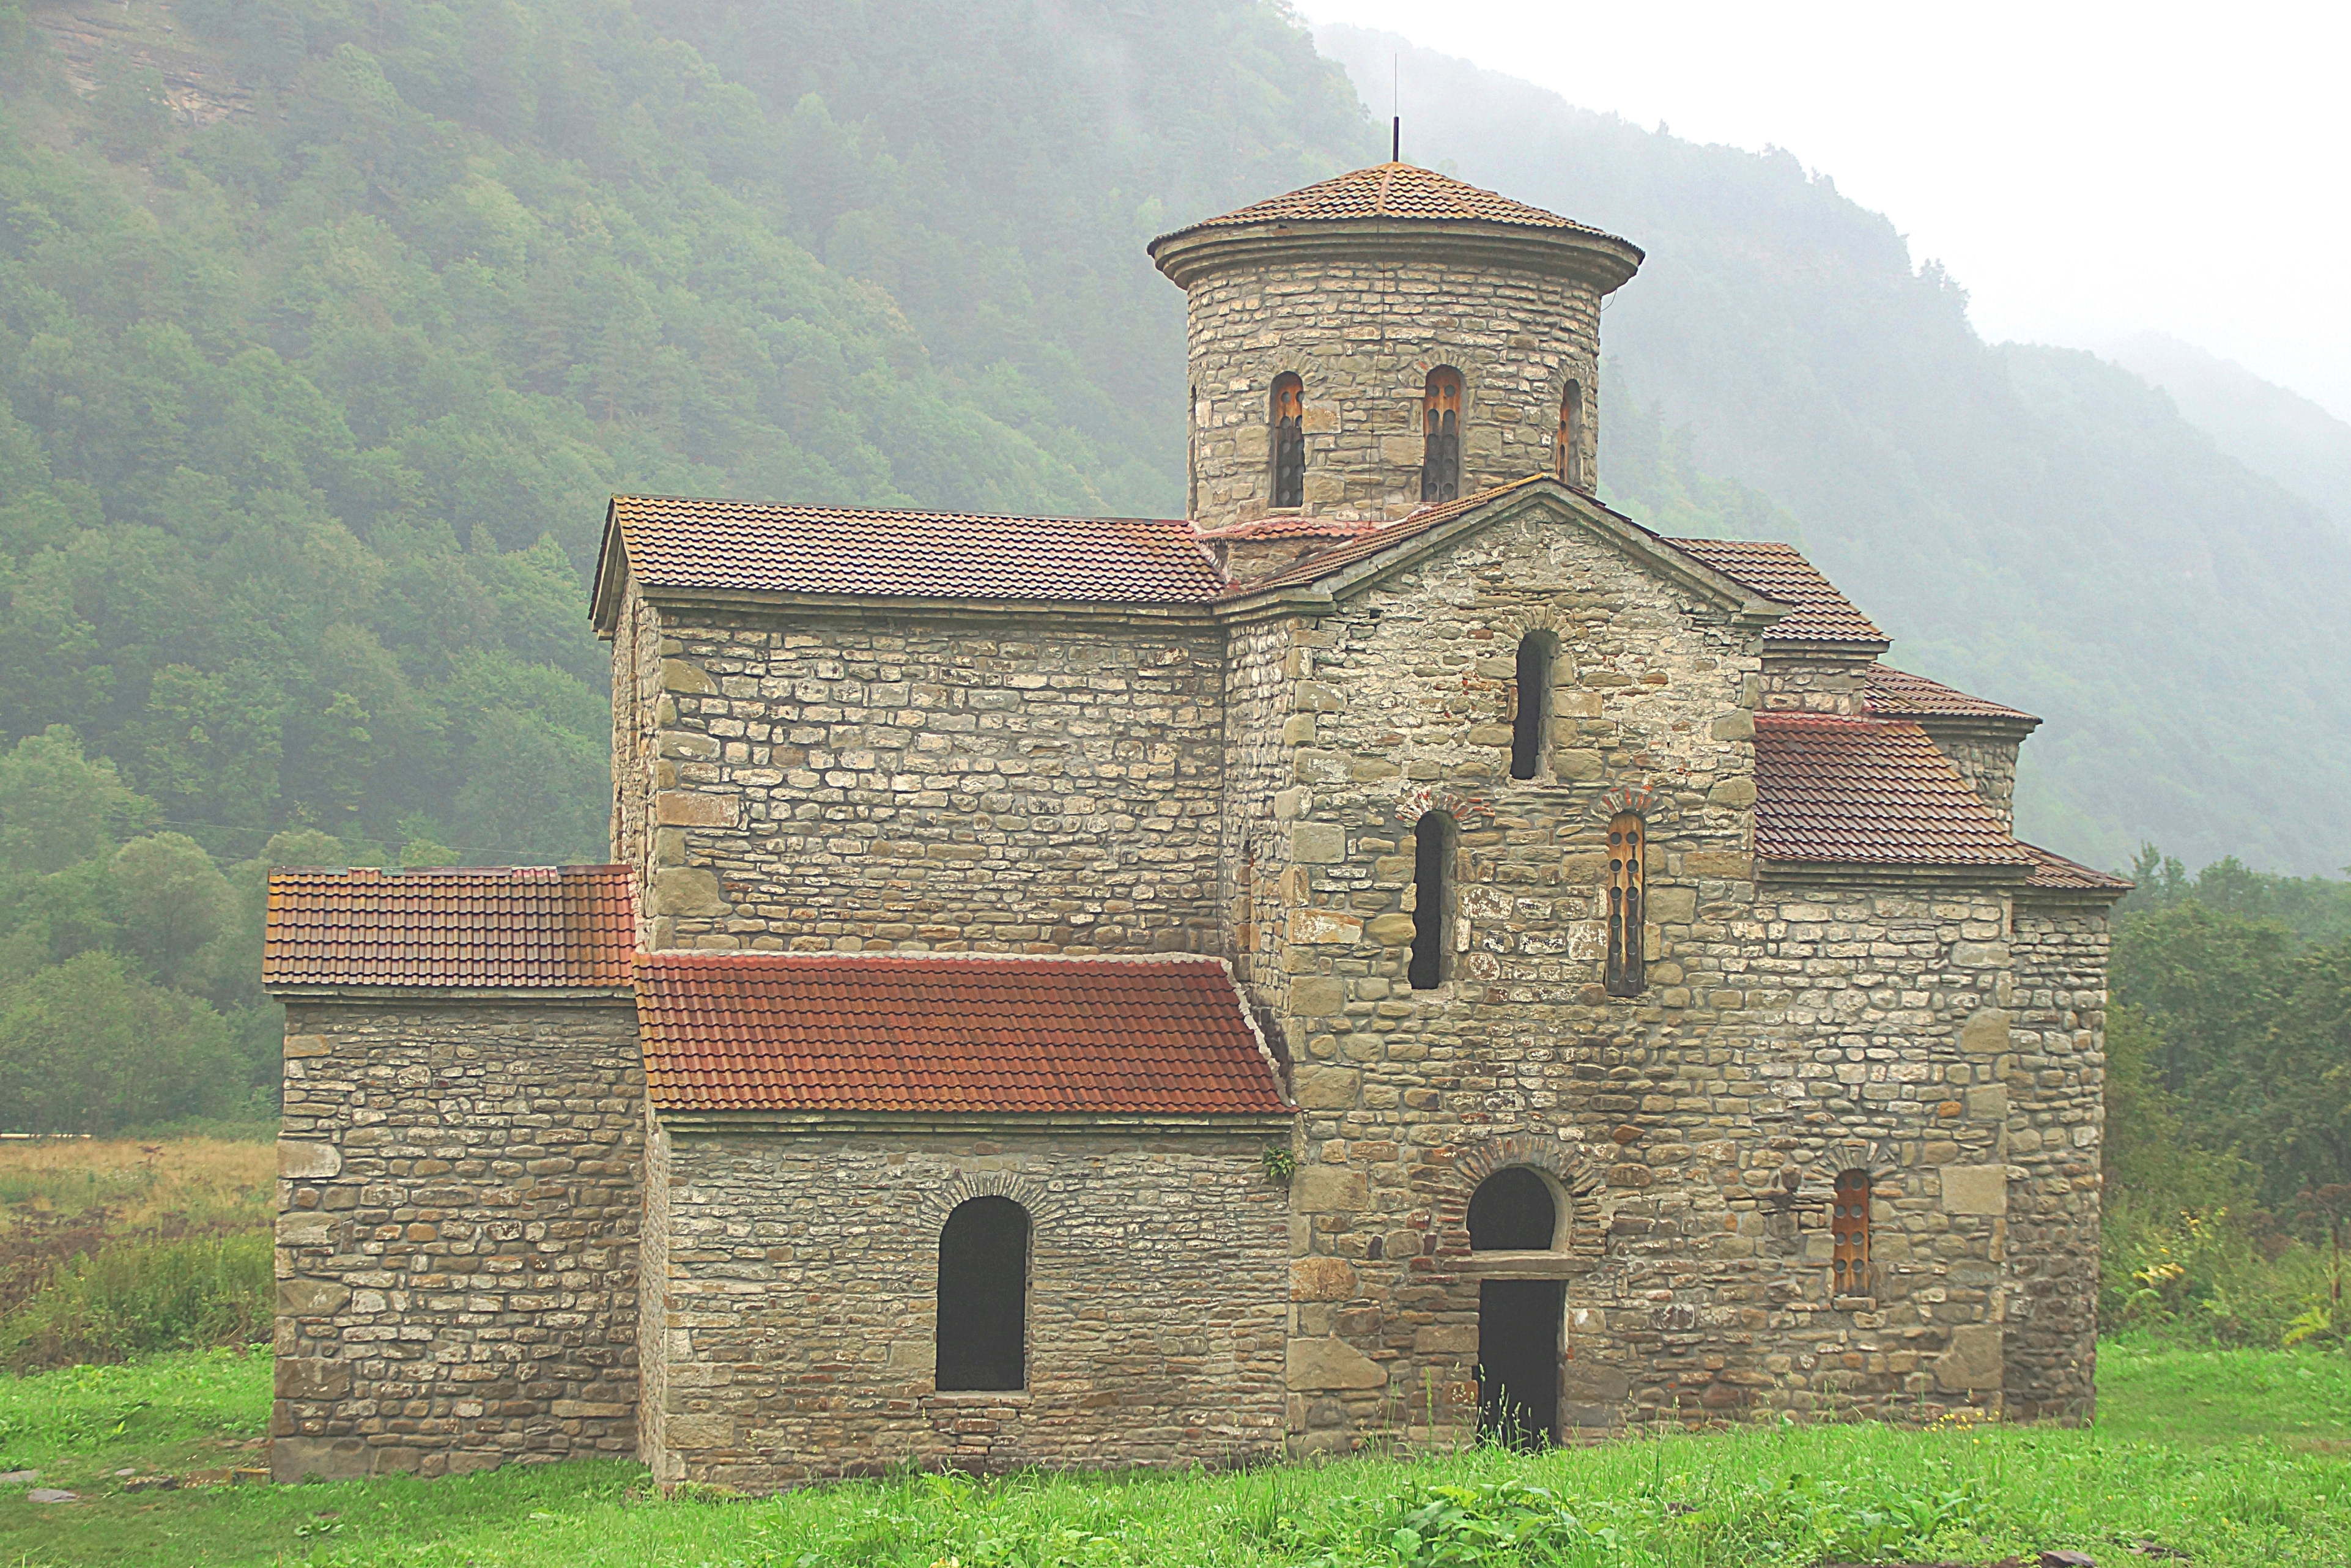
(1518, 1361)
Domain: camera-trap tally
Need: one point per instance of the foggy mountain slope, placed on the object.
(2270, 429)
(2035, 525)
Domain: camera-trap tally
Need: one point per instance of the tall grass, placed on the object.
(135, 1298)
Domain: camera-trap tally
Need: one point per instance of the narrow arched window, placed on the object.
(1531, 703)
(1514, 1211)
(1627, 906)
(1288, 440)
(1440, 428)
(984, 1296)
(1849, 1233)
(1192, 453)
(1432, 900)
(1571, 436)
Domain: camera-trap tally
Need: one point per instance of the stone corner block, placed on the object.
(304, 1045)
(1322, 1280)
(1318, 843)
(309, 1159)
(1975, 1189)
(688, 890)
(1317, 996)
(1330, 1190)
(1327, 1088)
(677, 675)
(1974, 1360)
(695, 809)
(1986, 1033)
(1323, 1365)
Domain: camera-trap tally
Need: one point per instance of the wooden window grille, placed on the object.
(1571, 436)
(1289, 442)
(1440, 426)
(1849, 1233)
(1627, 906)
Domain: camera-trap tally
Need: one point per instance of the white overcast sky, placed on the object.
(2085, 171)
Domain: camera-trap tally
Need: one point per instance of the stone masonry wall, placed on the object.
(2056, 1118)
(1986, 761)
(852, 783)
(456, 1235)
(801, 1291)
(1363, 334)
(1788, 1033)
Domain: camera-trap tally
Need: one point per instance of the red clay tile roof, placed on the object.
(1898, 694)
(1297, 529)
(530, 927)
(1412, 525)
(1821, 614)
(2054, 872)
(1392, 191)
(1869, 791)
(751, 547)
(820, 1032)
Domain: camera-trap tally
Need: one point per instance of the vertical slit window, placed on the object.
(1289, 442)
(1432, 900)
(1531, 703)
(1849, 1233)
(1627, 906)
(984, 1296)
(1571, 436)
(1440, 426)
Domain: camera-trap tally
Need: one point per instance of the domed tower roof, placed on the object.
(1397, 208)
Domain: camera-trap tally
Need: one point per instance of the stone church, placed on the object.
(1404, 953)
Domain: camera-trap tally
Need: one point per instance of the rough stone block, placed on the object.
(1445, 1339)
(311, 1298)
(1318, 1364)
(1323, 927)
(1317, 996)
(303, 1046)
(1672, 905)
(1974, 1359)
(1728, 864)
(1738, 789)
(688, 890)
(699, 1431)
(1327, 1088)
(1987, 1032)
(296, 1460)
(1392, 930)
(308, 1159)
(1318, 843)
(695, 809)
(1736, 725)
(1322, 1280)
(307, 1227)
(1975, 1189)
(1330, 1190)
(677, 675)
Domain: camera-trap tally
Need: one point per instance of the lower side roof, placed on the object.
(949, 1034)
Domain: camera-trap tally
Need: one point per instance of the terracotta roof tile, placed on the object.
(1777, 571)
(752, 547)
(1392, 191)
(1867, 791)
(1297, 529)
(743, 1031)
(1412, 525)
(510, 926)
(2054, 872)
(1897, 694)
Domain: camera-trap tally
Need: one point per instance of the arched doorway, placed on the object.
(1514, 1210)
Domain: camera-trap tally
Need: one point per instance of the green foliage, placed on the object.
(131, 1300)
(2232, 1459)
(90, 1046)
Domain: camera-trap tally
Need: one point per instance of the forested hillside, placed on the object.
(2264, 426)
(2032, 523)
(325, 329)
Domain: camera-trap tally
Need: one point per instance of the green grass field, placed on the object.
(2239, 1457)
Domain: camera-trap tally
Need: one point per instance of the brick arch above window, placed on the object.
(1587, 1224)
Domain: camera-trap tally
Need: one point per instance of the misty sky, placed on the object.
(2084, 170)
